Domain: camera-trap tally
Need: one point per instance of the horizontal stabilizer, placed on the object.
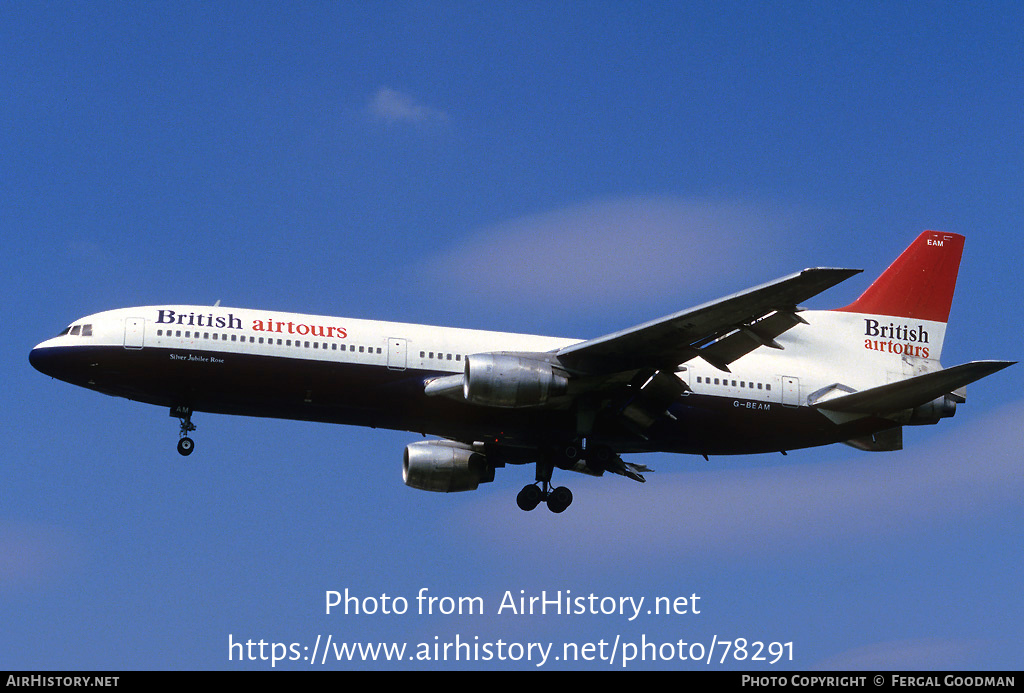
(912, 392)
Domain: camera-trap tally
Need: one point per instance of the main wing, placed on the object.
(720, 332)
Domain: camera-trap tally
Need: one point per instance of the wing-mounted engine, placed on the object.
(445, 466)
(511, 380)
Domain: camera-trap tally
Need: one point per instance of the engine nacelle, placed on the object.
(939, 408)
(444, 466)
(508, 381)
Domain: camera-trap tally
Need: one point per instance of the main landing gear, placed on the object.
(185, 444)
(578, 456)
(558, 499)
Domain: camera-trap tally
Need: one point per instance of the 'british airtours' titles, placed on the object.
(231, 322)
(908, 340)
(221, 322)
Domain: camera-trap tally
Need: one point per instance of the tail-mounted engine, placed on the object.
(930, 413)
(445, 466)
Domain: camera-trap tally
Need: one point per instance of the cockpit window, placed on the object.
(77, 331)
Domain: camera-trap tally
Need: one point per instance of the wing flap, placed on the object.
(749, 337)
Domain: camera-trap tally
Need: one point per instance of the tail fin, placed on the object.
(919, 284)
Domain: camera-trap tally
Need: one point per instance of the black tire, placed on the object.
(530, 497)
(186, 446)
(559, 499)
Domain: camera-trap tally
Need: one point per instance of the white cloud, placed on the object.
(616, 252)
(33, 553)
(393, 106)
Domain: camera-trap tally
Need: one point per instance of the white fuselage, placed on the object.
(372, 373)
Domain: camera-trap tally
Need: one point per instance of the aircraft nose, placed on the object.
(38, 358)
(47, 360)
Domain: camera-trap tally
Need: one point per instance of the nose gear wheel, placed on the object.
(185, 444)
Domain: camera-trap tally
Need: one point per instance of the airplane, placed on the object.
(749, 373)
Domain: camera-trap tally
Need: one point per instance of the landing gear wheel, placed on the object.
(186, 446)
(530, 497)
(559, 499)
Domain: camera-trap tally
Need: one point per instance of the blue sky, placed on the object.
(556, 168)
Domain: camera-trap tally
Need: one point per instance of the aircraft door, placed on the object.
(398, 351)
(134, 333)
(790, 391)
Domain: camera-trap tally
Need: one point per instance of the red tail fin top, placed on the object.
(919, 284)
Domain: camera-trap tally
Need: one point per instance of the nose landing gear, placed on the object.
(185, 444)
